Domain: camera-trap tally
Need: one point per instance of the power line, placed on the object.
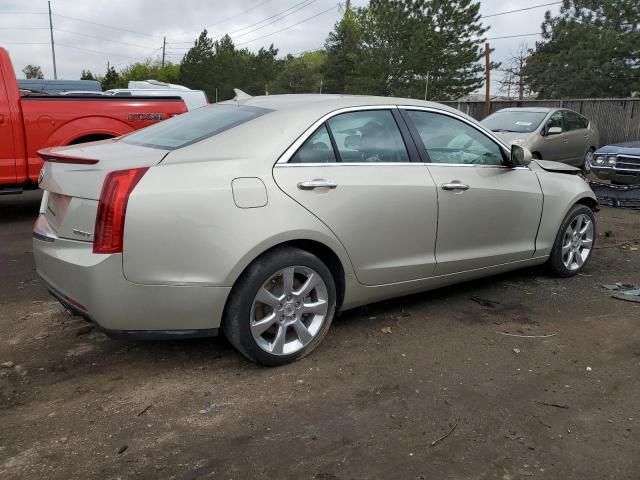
(269, 18)
(100, 38)
(93, 51)
(144, 34)
(290, 26)
(306, 2)
(515, 36)
(521, 9)
(225, 19)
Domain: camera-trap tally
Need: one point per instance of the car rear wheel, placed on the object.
(574, 242)
(281, 307)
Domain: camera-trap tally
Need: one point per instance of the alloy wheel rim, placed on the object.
(289, 310)
(577, 242)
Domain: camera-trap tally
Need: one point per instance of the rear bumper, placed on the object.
(93, 286)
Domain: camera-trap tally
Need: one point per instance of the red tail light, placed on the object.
(109, 231)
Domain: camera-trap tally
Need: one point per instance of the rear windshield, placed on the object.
(194, 126)
(521, 121)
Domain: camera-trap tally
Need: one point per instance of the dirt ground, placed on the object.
(441, 395)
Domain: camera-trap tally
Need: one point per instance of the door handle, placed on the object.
(454, 186)
(313, 184)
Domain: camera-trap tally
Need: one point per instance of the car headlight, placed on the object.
(611, 161)
(598, 160)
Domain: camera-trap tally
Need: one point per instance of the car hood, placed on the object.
(509, 137)
(631, 148)
(558, 167)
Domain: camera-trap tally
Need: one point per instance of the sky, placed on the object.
(90, 33)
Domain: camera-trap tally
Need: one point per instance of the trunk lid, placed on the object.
(72, 190)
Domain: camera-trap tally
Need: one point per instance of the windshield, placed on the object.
(194, 126)
(514, 121)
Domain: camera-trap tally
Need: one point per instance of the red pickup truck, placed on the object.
(29, 122)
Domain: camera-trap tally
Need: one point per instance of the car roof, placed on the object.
(530, 109)
(316, 103)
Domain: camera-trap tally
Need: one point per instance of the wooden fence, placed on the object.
(617, 119)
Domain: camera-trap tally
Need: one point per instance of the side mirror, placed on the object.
(520, 156)
(554, 131)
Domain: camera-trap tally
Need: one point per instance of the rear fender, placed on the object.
(82, 127)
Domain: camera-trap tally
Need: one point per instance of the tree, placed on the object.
(111, 79)
(591, 49)
(515, 81)
(87, 75)
(150, 69)
(303, 74)
(394, 47)
(33, 71)
(343, 47)
(196, 65)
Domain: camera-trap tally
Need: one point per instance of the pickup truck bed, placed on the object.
(30, 122)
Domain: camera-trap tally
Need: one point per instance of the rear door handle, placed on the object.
(454, 186)
(313, 184)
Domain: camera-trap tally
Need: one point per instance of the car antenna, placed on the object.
(241, 96)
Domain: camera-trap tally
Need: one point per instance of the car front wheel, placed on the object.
(574, 242)
(281, 307)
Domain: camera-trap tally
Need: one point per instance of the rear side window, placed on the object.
(572, 121)
(317, 149)
(194, 126)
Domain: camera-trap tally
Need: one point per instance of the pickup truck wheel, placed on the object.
(574, 242)
(281, 307)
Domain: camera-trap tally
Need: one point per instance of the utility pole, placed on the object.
(426, 87)
(53, 48)
(164, 46)
(487, 67)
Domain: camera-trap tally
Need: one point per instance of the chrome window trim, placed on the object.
(293, 148)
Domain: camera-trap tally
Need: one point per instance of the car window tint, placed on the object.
(448, 140)
(368, 136)
(317, 149)
(194, 126)
(572, 121)
(555, 121)
(584, 122)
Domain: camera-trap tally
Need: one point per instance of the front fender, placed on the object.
(561, 192)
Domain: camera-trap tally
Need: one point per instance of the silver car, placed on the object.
(265, 216)
(555, 134)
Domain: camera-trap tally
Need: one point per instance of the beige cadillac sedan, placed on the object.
(265, 216)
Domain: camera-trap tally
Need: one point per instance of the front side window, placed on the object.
(368, 136)
(449, 140)
(555, 121)
(194, 126)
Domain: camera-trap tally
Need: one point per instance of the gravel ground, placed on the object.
(421, 387)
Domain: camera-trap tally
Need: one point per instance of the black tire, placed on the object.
(237, 318)
(555, 263)
(536, 156)
(586, 166)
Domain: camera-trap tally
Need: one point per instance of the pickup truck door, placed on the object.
(7, 149)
